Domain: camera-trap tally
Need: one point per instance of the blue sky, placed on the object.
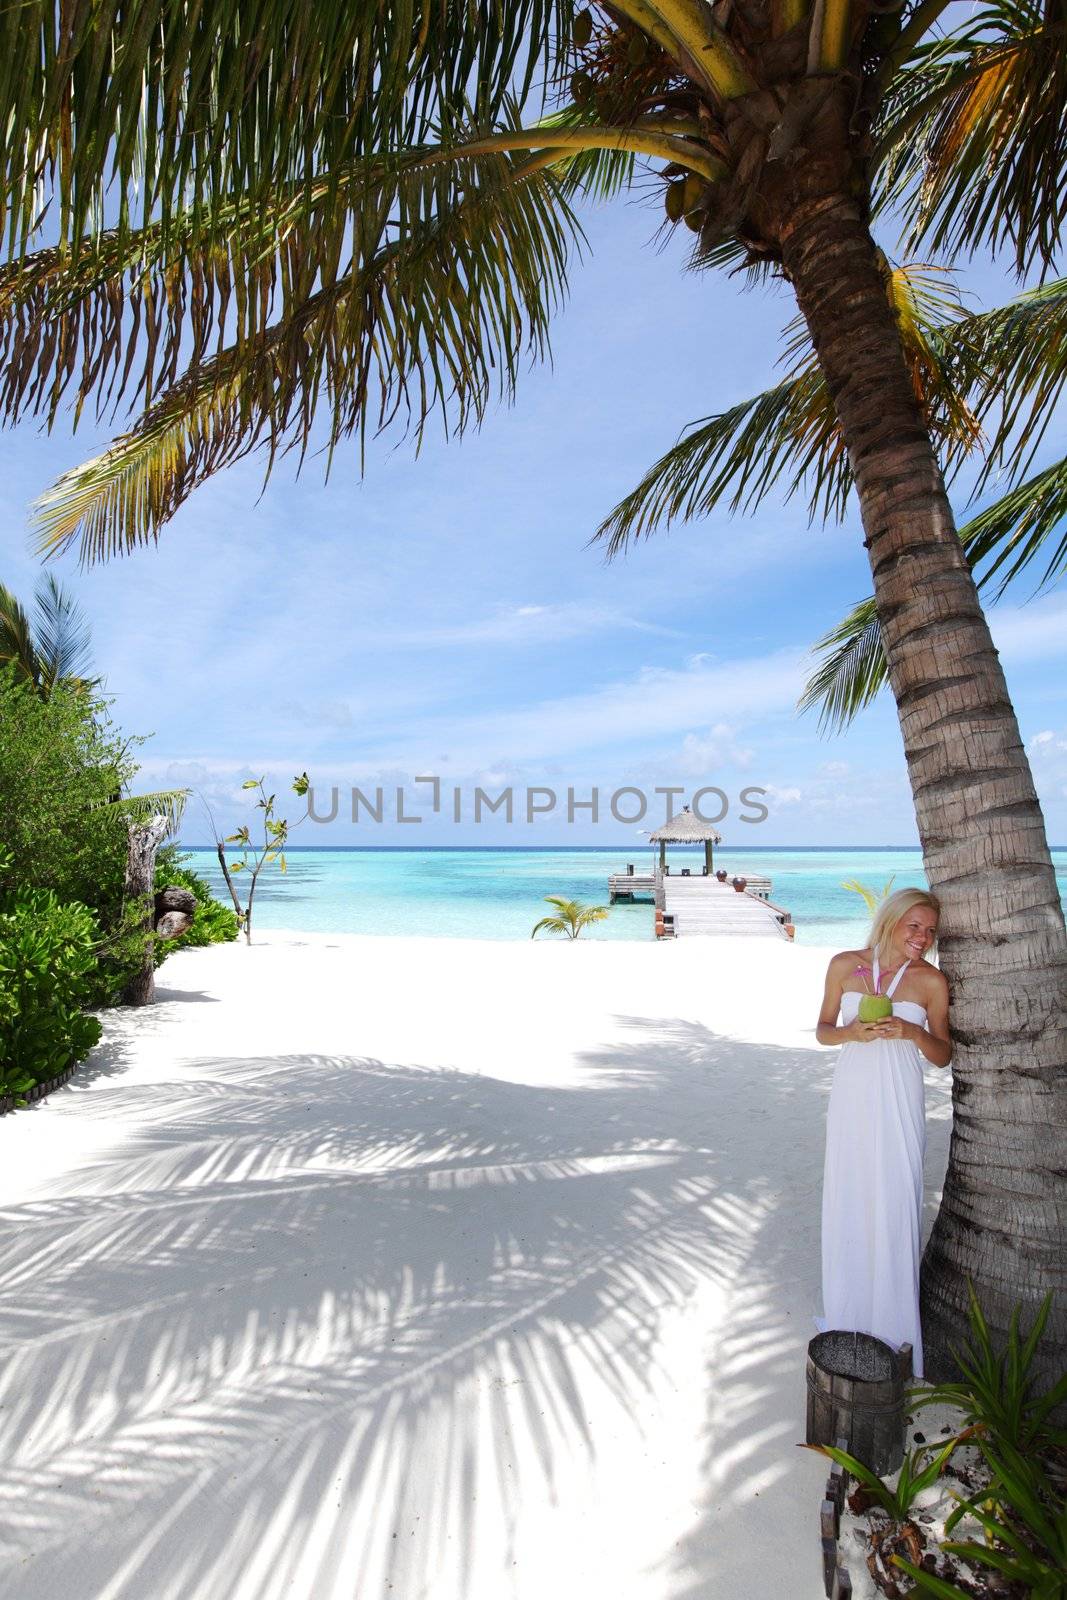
(446, 614)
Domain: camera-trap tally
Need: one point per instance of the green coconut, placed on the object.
(674, 201)
(694, 187)
(582, 31)
(875, 1007)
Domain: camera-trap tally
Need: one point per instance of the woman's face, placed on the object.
(914, 933)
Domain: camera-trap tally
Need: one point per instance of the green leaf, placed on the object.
(929, 1582)
(974, 136)
(457, 265)
(852, 671)
(881, 1491)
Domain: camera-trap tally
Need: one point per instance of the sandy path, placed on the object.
(439, 1270)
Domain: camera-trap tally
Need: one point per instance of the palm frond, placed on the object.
(1014, 532)
(1012, 364)
(171, 105)
(167, 803)
(739, 456)
(852, 671)
(17, 649)
(62, 637)
(975, 141)
(791, 433)
(1019, 528)
(435, 318)
(124, 319)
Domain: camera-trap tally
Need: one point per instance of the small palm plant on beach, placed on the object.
(872, 898)
(571, 917)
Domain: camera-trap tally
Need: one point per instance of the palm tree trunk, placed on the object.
(145, 839)
(1003, 1216)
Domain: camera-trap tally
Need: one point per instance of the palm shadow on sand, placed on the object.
(321, 1307)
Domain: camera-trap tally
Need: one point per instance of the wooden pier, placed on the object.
(699, 903)
(631, 885)
(703, 905)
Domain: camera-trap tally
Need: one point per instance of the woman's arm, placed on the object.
(826, 1029)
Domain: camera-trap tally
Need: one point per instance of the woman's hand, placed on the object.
(894, 1028)
(857, 1032)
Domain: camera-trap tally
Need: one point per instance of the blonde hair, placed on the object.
(893, 908)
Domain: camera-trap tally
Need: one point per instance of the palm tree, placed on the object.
(55, 648)
(368, 212)
(571, 917)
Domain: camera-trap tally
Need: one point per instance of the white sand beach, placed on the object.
(428, 1269)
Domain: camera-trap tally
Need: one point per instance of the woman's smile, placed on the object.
(915, 936)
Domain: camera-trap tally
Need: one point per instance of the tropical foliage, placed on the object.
(570, 918)
(1020, 1506)
(255, 855)
(376, 245)
(63, 823)
(47, 963)
(872, 898)
(1013, 363)
(213, 923)
(1025, 1537)
(920, 1469)
(55, 648)
(997, 1389)
(61, 762)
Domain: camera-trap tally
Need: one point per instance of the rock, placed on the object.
(172, 924)
(174, 899)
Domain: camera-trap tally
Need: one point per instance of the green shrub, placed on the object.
(47, 964)
(213, 923)
(62, 764)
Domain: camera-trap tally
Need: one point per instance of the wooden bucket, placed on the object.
(856, 1392)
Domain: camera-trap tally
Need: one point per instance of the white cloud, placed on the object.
(776, 797)
(629, 714)
(617, 728)
(518, 625)
(719, 747)
(1041, 739)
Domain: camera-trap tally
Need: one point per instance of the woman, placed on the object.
(875, 1128)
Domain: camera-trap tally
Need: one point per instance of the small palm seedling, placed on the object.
(913, 1478)
(571, 917)
(996, 1387)
(1025, 1543)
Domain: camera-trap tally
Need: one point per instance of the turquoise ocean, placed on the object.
(499, 893)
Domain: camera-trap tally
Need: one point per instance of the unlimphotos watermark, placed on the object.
(629, 804)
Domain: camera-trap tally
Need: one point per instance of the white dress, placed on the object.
(873, 1184)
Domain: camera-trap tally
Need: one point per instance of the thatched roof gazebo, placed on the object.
(685, 828)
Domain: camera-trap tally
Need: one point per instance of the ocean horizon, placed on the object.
(498, 892)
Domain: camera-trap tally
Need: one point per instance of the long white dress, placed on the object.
(873, 1184)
